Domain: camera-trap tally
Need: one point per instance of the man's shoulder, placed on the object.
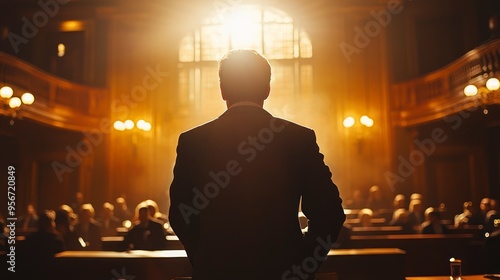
(198, 129)
(291, 124)
(273, 123)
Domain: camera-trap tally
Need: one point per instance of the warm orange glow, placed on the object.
(14, 102)
(61, 50)
(6, 92)
(127, 224)
(470, 90)
(492, 84)
(27, 98)
(72, 25)
(143, 125)
(129, 124)
(119, 125)
(366, 121)
(348, 122)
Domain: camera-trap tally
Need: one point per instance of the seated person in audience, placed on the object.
(365, 217)
(30, 219)
(434, 225)
(66, 230)
(357, 200)
(485, 207)
(146, 234)
(377, 200)
(401, 218)
(73, 217)
(108, 221)
(154, 211)
(466, 217)
(78, 203)
(492, 217)
(121, 210)
(399, 202)
(36, 253)
(88, 230)
(418, 196)
(416, 213)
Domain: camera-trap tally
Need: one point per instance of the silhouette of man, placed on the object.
(238, 181)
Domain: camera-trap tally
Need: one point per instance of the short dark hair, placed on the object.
(45, 220)
(244, 75)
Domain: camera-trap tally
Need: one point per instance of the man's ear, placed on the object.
(267, 92)
(222, 92)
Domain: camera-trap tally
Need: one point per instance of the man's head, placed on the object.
(399, 201)
(143, 214)
(46, 222)
(435, 216)
(86, 214)
(485, 205)
(107, 210)
(244, 75)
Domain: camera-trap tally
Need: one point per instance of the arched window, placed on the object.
(269, 31)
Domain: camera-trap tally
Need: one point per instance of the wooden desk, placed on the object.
(386, 263)
(367, 263)
(115, 243)
(105, 265)
(433, 250)
(465, 277)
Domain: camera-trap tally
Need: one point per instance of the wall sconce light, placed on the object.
(9, 101)
(486, 91)
(129, 125)
(358, 131)
(363, 120)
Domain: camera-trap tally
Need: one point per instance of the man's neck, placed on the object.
(244, 103)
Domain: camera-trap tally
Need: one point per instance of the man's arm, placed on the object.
(321, 202)
(183, 215)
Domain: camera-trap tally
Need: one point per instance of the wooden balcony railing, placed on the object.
(440, 93)
(58, 102)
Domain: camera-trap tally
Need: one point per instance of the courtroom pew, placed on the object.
(352, 264)
(429, 254)
(115, 243)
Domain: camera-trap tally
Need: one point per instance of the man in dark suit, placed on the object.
(36, 254)
(238, 181)
(147, 233)
(88, 229)
(108, 221)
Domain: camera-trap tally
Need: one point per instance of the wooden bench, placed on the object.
(388, 263)
(429, 254)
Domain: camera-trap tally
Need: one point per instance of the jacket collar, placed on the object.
(244, 109)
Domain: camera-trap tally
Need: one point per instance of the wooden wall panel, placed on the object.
(449, 181)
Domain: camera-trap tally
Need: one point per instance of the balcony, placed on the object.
(58, 102)
(441, 93)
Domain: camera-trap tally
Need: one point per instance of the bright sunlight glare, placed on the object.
(244, 27)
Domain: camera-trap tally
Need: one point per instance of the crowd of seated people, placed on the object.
(147, 227)
(375, 210)
(85, 229)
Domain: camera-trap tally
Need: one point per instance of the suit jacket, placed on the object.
(235, 196)
(109, 227)
(35, 256)
(92, 235)
(151, 237)
(428, 228)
